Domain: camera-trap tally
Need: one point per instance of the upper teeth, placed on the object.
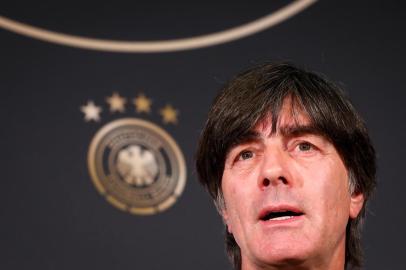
(282, 218)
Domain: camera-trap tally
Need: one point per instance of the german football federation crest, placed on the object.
(135, 164)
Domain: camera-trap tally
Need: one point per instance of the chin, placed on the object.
(284, 253)
(285, 256)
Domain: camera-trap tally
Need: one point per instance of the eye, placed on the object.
(305, 146)
(244, 155)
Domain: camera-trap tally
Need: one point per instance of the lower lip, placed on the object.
(289, 221)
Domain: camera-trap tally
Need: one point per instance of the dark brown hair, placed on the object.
(260, 91)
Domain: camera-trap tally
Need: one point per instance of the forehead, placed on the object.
(290, 115)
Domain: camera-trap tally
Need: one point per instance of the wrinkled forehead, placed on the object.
(289, 120)
(290, 115)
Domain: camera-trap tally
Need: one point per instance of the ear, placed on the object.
(357, 201)
(225, 219)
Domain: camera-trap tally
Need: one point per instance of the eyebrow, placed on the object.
(248, 137)
(290, 131)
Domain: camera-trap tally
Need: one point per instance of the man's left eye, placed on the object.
(305, 146)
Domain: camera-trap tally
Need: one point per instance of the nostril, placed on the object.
(266, 182)
(283, 179)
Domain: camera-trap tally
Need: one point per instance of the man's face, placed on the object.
(287, 198)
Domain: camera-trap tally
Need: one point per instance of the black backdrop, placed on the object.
(52, 217)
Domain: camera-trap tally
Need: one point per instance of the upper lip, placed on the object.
(265, 213)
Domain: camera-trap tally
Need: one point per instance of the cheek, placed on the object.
(235, 200)
(339, 184)
(237, 192)
(230, 194)
(330, 192)
(238, 183)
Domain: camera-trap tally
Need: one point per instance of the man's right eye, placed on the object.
(244, 155)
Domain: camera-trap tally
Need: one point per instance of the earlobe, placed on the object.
(357, 201)
(229, 229)
(225, 219)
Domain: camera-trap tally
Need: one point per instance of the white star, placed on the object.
(91, 111)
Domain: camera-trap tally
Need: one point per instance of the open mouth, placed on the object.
(279, 215)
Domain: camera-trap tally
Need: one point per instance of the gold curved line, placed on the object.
(159, 45)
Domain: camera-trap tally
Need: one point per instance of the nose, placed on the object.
(274, 170)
